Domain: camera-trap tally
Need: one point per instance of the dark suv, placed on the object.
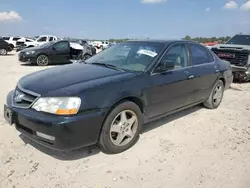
(4, 47)
(237, 52)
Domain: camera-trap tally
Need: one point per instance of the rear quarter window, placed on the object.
(200, 55)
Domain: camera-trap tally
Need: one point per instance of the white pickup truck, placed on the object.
(40, 40)
(100, 44)
(11, 40)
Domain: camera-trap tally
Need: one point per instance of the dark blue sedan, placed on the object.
(106, 99)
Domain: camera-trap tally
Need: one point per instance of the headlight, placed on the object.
(58, 105)
(31, 52)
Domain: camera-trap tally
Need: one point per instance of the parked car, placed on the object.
(4, 47)
(85, 44)
(100, 44)
(55, 52)
(107, 98)
(11, 40)
(42, 39)
(24, 43)
(237, 52)
(109, 45)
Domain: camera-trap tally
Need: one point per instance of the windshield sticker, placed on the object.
(147, 52)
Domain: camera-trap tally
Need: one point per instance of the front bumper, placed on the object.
(70, 132)
(22, 57)
(241, 73)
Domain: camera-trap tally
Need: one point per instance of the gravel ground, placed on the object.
(194, 148)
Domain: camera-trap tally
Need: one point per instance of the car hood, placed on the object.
(54, 79)
(232, 47)
(31, 49)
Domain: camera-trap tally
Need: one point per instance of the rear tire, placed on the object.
(42, 60)
(120, 132)
(215, 96)
(3, 51)
(12, 46)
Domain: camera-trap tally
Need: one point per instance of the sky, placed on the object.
(105, 19)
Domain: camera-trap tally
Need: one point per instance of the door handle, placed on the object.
(217, 71)
(191, 77)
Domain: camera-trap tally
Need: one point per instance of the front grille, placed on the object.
(240, 57)
(23, 99)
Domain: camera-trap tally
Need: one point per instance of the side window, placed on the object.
(16, 38)
(42, 39)
(6, 38)
(176, 57)
(61, 45)
(51, 38)
(27, 40)
(200, 55)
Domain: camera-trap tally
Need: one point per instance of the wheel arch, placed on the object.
(12, 46)
(133, 99)
(42, 53)
(223, 80)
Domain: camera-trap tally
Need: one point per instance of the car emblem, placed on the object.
(226, 55)
(18, 96)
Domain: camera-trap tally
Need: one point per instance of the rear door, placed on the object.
(173, 89)
(205, 70)
(60, 52)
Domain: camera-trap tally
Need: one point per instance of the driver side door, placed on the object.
(60, 52)
(171, 89)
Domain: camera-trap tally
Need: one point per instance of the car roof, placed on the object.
(242, 34)
(164, 41)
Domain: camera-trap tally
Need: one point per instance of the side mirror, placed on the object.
(169, 64)
(165, 66)
(53, 48)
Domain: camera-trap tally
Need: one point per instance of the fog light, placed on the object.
(48, 137)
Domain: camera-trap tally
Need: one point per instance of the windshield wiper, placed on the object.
(109, 66)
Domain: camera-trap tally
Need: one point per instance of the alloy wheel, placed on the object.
(218, 92)
(124, 128)
(3, 51)
(42, 60)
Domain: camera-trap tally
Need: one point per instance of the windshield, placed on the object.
(240, 39)
(129, 56)
(47, 44)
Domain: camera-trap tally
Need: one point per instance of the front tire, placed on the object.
(215, 96)
(42, 60)
(3, 51)
(121, 128)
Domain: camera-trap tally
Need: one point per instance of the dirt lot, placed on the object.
(194, 148)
